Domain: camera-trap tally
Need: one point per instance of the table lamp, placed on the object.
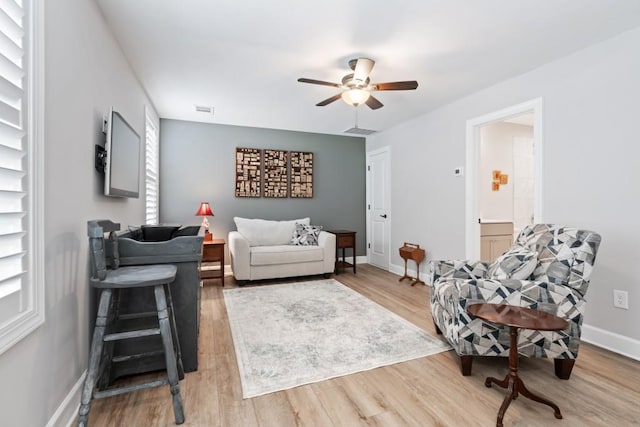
(204, 211)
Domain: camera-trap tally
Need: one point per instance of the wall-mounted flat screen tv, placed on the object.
(122, 168)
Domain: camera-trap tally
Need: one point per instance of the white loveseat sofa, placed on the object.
(261, 249)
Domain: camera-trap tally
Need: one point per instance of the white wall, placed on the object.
(590, 172)
(85, 74)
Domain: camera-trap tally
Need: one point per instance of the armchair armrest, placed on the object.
(239, 251)
(457, 269)
(327, 241)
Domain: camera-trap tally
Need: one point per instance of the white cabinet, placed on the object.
(495, 239)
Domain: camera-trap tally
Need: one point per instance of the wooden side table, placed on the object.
(212, 251)
(412, 251)
(517, 318)
(344, 239)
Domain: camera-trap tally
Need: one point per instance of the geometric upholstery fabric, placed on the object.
(516, 263)
(305, 235)
(557, 285)
(565, 255)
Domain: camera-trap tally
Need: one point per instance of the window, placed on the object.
(152, 161)
(21, 167)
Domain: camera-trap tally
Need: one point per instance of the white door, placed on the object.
(378, 203)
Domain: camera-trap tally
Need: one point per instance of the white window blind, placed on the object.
(21, 291)
(152, 165)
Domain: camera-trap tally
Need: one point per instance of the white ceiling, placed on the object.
(244, 57)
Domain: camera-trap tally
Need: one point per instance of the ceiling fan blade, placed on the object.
(328, 100)
(373, 103)
(317, 82)
(408, 85)
(363, 69)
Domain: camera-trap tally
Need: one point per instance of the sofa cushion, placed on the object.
(261, 232)
(306, 235)
(285, 254)
(516, 263)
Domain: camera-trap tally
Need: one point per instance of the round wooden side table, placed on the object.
(517, 318)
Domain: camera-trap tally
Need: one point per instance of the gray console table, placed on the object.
(181, 246)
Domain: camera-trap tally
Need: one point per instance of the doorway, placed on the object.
(504, 183)
(378, 207)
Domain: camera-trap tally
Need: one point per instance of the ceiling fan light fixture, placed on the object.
(355, 97)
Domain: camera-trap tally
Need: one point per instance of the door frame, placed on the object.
(472, 226)
(371, 153)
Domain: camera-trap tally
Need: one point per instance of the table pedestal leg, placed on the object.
(417, 275)
(406, 276)
(514, 384)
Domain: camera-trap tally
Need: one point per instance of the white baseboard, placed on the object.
(362, 259)
(227, 269)
(611, 341)
(66, 413)
(399, 270)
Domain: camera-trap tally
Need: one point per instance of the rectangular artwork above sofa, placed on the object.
(285, 174)
(301, 174)
(248, 172)
(275, 173)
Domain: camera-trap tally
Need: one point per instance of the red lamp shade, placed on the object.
(205, 210)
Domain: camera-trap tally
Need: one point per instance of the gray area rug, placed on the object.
(299, 333)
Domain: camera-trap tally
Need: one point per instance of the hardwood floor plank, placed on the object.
(339, 406)
(274, 410)
(307, 409)
(430, 391)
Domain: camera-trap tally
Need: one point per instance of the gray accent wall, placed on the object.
(197, 164)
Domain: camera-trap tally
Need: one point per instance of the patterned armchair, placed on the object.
(561, 258)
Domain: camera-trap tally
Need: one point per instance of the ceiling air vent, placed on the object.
(360, 131)
(204, 109)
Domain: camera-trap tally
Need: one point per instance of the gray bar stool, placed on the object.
(110, 282)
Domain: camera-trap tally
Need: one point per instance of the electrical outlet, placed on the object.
(621, 299)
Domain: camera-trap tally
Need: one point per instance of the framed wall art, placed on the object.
(275, 173)
(301, 174)
(248, 172)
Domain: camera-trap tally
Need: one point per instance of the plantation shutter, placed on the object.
(151, 170)
(14, 289)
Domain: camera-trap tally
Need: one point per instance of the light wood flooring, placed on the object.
(604, 389)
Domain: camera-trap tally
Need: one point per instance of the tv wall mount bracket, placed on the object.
(100, 158)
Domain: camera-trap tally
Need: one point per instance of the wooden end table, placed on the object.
(517, 318)
(344, 239)
(213, 251)
(412, 251)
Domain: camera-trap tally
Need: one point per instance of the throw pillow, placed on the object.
(516, 263)
(306, 235)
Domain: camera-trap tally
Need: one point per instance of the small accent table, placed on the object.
(517, 318)
(412, 251)
(344, 239)
(213, 251)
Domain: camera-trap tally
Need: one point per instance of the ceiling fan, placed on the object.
(358, 87)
